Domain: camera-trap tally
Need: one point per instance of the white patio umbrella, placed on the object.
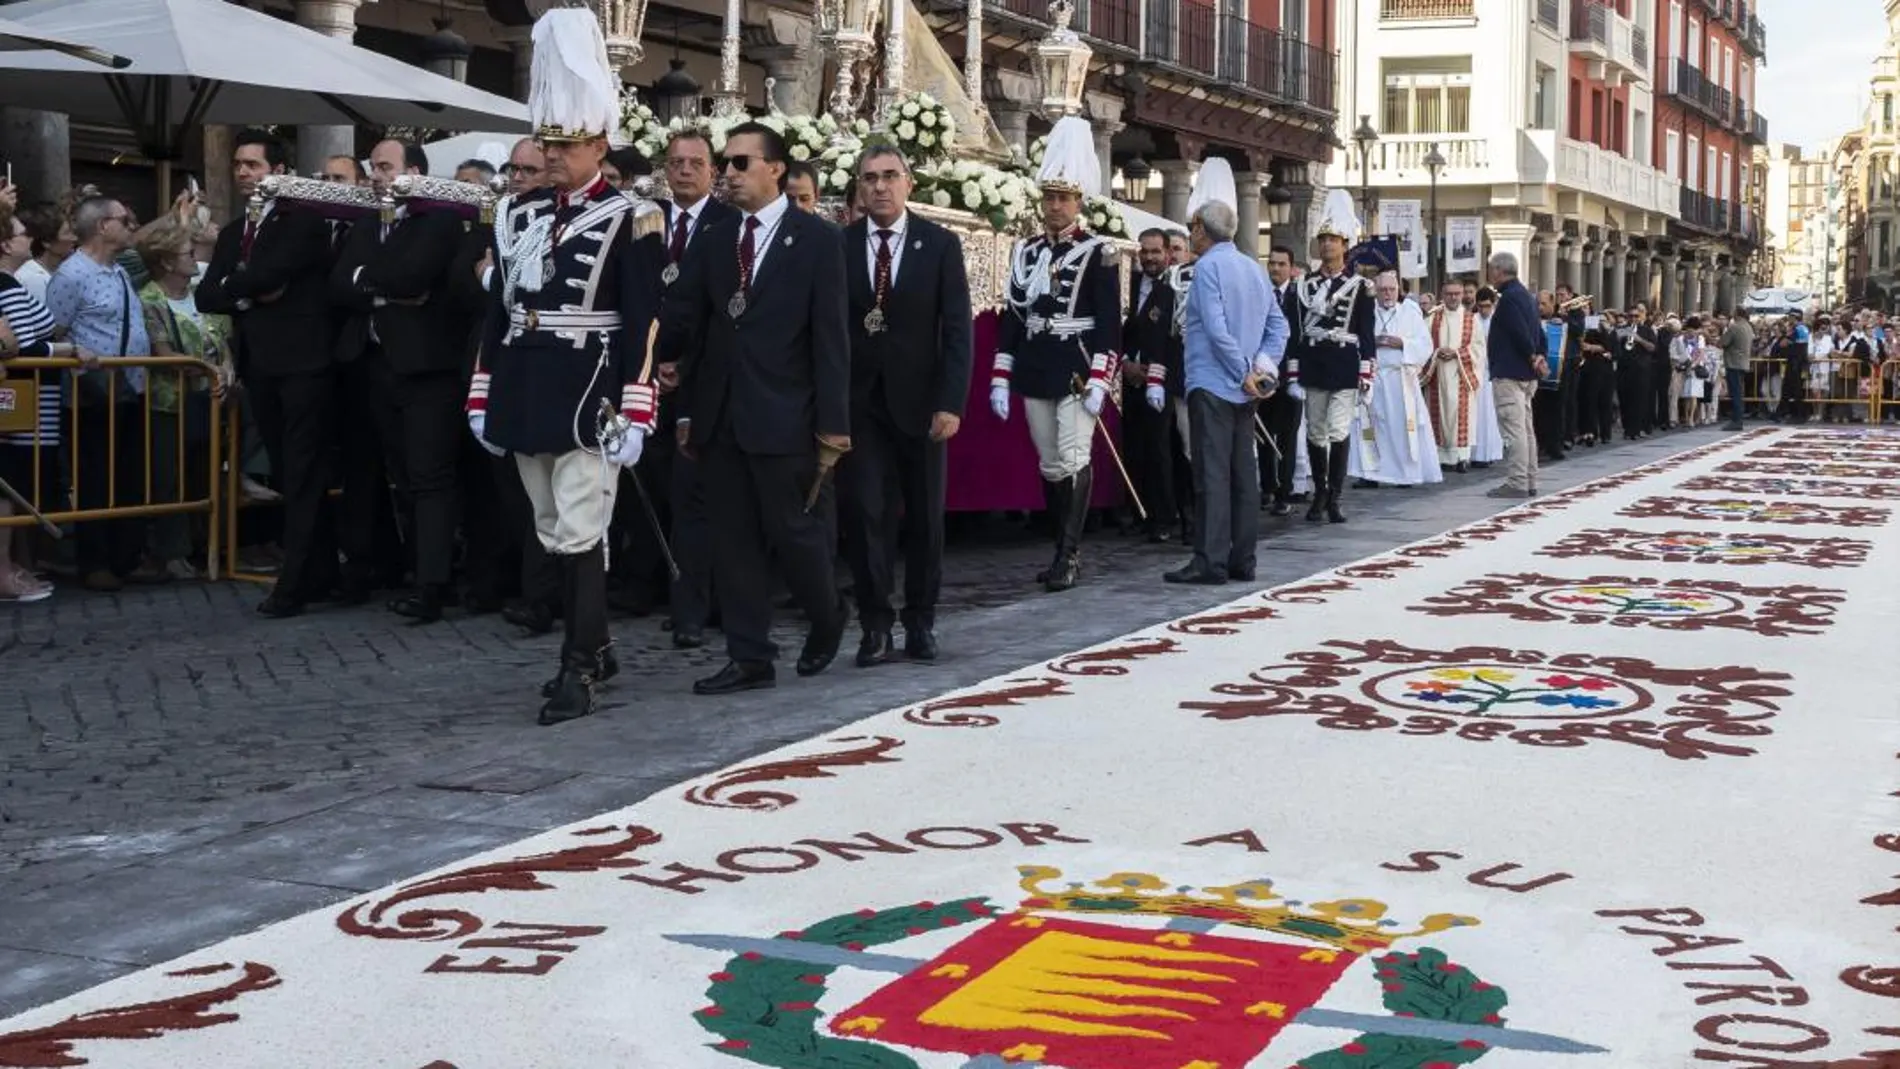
(208, 61)
(17, 38)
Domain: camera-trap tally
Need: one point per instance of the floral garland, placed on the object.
(921, 128)
(767, 1008)
(1004, 199)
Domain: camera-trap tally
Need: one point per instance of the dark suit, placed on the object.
(758, 389)
(1147, 435)
(279, 299)
(892, 483)
(671, 476)
(1281, 414)
(400, 294)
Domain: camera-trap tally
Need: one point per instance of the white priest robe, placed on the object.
(1450, 380)
(1487, 442)
(1400, 450)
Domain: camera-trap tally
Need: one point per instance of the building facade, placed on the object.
(1170, 82)
(1546, 115)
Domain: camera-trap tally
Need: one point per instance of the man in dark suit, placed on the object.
(1152, 364)
(760, 316)
(394, 281)
(668, 473)
(1282, 412)
(271, 275)
(910, 372)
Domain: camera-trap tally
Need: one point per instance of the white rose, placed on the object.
(1098, 220)
(840, 178)
(972, 194)
(927, 139)
(848, 160)
(909, 110)
(907, 131)
(800, 152)
(941, 198)
(927, 119)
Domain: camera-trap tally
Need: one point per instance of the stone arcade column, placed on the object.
(1011, 97)
(1545, 277)
(315, 144)
(1514, 238)
(1177, 177)
(1247, 185)
(783, 46)
(1104, 113)
(39, 146)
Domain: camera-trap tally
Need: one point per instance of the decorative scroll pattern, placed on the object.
(1750, 510)
(1697, 547)
(953, 712)
(1642, 601)
(56, 1045)
(1483, 693)
(858, 751)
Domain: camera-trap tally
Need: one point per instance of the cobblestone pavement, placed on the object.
(167, 746)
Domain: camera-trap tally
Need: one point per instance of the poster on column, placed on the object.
(1464, 244)
(1403, 220)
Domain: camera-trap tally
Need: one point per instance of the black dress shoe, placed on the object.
(279, 607)
(536, 617)
(873, 649)
(821, 643)
(1279, 508)
(608, 668)
(1198, 574)
(1364, 484)
(920, 644)
(422, 606)
(573, 695)
(738, 676)
(1240, 575)
(688, 638)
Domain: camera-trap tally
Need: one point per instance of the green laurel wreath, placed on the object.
(767, 1009)
(1425, 985)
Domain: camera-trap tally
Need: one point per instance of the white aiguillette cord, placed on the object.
(611, 429)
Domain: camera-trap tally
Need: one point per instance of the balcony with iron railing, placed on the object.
(1191, 38)
(1691, 86)
(1600, 33)
(1758, 128)
(1528, 157)
(1704, 212)
(1754, 37)
(1410, 10)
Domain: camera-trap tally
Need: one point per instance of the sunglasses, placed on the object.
(742, 163)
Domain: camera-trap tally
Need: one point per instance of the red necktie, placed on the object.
(678, 248)
(747, 252)
(882, 283)
(250, 238)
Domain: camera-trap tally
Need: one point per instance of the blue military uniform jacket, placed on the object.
(1330, 344)
(1062, 317)
(570, 307)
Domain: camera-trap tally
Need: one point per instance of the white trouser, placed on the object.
(1180, 407)
(1064, 434)
(1329, 415)
(573, 498)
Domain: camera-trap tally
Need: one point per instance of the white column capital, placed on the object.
(331, 18)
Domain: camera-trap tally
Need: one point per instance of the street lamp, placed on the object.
(1279, 204)
(1365, 137)
(1062, 64)
(845, 30)
(1135, 175)
(1434, 163)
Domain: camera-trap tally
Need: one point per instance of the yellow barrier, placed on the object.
(1884, 372)
(1843, 387)
(61, 505)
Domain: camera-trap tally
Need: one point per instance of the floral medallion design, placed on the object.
(1629, 602)
(1506, 692)
(1700, 547)
(1750, 510)
(1825, 470)
(1855, 454)
(1873, 491)
(1486, 693)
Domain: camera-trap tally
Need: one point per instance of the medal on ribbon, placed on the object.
(874, 321)
(670, 275)
(736, 307)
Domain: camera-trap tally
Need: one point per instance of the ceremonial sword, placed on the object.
(1408, 1027)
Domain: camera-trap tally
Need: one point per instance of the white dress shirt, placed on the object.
(871, 243)
(769, 218)
(694, 212)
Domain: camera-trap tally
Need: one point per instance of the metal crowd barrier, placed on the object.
(1763, 387)
(60, 504)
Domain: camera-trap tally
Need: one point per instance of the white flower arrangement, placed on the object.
(1103, 216)
(640, 127)
(921, 128)
(999, 197)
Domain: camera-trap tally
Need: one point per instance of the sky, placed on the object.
(1815, 84)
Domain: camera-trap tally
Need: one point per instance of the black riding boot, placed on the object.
(1316, 460)
(1335, 479)
(1055, 496)
(585, 647)
(1069, 559)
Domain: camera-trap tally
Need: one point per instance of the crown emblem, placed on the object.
(1354, 924)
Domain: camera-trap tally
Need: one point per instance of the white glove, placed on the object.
(625, 450)
(1157, 398)
(1092, 400)
(1296, 391)
(999, 402)
(478, 422)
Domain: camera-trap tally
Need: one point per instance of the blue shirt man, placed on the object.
(1232, 323)
(99, 307)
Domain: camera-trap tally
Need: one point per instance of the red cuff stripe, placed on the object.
(478, 392)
